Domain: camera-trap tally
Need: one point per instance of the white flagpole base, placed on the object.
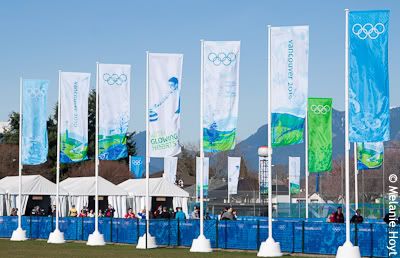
(201, 245)
(151, 242)
(18, 235)
(347, 250)
(270, 248)
(96, 239)
(56, 237)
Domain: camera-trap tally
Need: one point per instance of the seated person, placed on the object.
(130, 214)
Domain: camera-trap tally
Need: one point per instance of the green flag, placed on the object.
(319, 134)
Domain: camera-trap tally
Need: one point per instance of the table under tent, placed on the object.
(162, 193)
(36, 191)
(82, 191)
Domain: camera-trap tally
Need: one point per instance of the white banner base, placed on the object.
(56, 237)
(151, 242)
(270, 248)
(347, 250)
(19, 235)
(96, 239)
(201, 245)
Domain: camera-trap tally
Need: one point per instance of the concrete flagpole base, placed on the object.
(96, 239)
(18, 235)
(56, 237)
(151, 242)
(201, 245)
(347, 250)
(270, 248)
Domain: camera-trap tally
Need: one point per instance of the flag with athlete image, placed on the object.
(165, 75)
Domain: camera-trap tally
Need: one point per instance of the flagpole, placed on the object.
(19, 234)
(355, 177)
(347, 250)
(147, 241)
(57, 237)
(96, 238)
(306, 159)
(269, 248)
(201, 244)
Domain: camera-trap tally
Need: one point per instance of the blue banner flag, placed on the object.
(34, 122)
(369, 115)
(136, 166)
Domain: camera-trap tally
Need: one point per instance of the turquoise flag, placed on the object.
(369, 114)
(34, 122)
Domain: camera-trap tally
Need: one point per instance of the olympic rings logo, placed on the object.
(222, 58)
(136, 162)
(36, 92)
(115, 79)
(368, 30)
(320, 109)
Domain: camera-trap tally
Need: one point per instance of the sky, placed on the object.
(38, 38)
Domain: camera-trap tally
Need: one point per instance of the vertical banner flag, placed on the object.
(114, 112)
(206, 166)
(34, 122)
(369, 155)
(289, 84)
(220, 94)
(170, 167)
(74, 116)
(136, 166)
(294, 175)
(319, 135)
(233, 174)
(263, 174)
(369, 114)
(165, 75)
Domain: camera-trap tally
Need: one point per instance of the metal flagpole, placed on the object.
(147, 241)
(306, 158)
(269, 248)
(355, 177)
(57, 237)
(201, 244)
(19, 234)
(96, 238)
(347, 250)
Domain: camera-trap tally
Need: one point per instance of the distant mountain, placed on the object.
(250, 145)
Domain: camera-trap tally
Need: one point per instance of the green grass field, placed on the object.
(39, 248)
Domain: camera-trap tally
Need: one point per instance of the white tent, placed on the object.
(31, 185)
(80, 188)
(158, 187)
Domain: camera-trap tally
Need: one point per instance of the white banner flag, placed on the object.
(114, 104)
(294, 175)
(170, 167)
(233, 174)
(206, 167)
(221, 94)
(289, 83)
(74, 116)
(165, 74)
(263, 174)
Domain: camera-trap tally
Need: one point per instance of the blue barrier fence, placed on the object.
(294, 236)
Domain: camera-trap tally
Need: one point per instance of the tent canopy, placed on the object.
(86, 186)
(31, 185)
(157, 187)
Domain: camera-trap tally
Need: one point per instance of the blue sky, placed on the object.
(40, 37)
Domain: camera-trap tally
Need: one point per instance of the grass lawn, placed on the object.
(39, 248)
